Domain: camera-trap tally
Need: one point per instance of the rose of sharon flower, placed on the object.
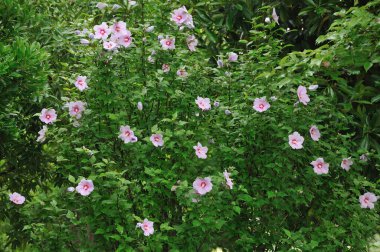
(17, 198)
(48, 116)
(296, 140)
(202, 185)
(314, 133)
(275, 16)
(81, 83)
(192, 42)
(346, 163)
(168, 43)
(203, 103)
(146, 226)
(302, 95)
(42, 134)
(228, 179)
(182, 18)
(232, 57)
(85, 187)
(125, 39)
(165, 68)
(157, 140)
(367, 200)
(200, 151)
(182, 73)
(320, 167)
(76, 109)
(101, 31)
(261, 104)
(140, 106)
(119, 28)
(109, 45)
(127, 135)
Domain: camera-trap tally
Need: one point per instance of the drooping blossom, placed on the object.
(261, 104)
(216, 104)
(146, 226)
(157, 140)
(229, 182)
(109, 45)
(364, 157)
(81, 83)
(85, 187)
(314, 133)
(182, 73)
(116, 7)
(42, 134)
(275, 16)
(101, 5)
(296, 140)
(232, 57)
(127, 135)
(165, 68)
(202, 185)
(227, 112)
(182, 18)
(125, 39)
(200, 151)
(140, 106)
(192, 42)
(220, 63)
(76, 108)
(119, 28)
(346, 163)
(267, 20)
(101, 31)
(17, 198)
(149, 29)
(302, 95)
(84, 41)
(70, 189)
(203, 103)
(48, 116)
(313, 87)
(320, 166)
(168, 43)
(367, 200)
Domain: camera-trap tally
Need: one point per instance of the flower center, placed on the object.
(179, 17)
(127, 133)
(117, 28)
(145, 226)
(126, 39)
(203, 184)
(366, 200)
(102, 31)
(156, 139)
(294, 141)
(261, 106)
(319, 165)
(85, 187)
(76, 109)
(168, 43)
(48, 116)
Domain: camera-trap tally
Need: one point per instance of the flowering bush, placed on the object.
(153, 147)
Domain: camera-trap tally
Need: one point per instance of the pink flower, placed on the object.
(180, 16)
(109, 45)
(139, 106)
(367, 200)
(228, 179)
(76, 108)
(157, 140)
(127, 135)
(48, 116)
(119, 28)
(168, 43)
(203, 103)
(85, 187)
(101, 31)
(41, 134)
(202, 186)
(232, 57)
(146, 226)
(182, 73)
(125, 39)
(165, 68)
(274, 16)
(302, 95)
(320, 167)
(346, 163)
(192, 42)
(261, 104)
(296, 140)
(314, 133)
(200, 151)
(17, 198)
(81, 83)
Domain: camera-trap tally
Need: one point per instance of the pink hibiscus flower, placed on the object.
(296, 140)
(146, 226)
(165, 68)
(200, 151)
(17, 198)
(320, 167)
(228, 179)
(302, 95)
(119, 28)
(182, 73)
(203, 103)
(81, 83)
(367, 200)
(346, 163)
(261, 104)
(192, 42)
(232, 57)
(314, 133)
(125, 39)
(85, 187)
(202, 185)
(101, 31)
(168, 43)
(157, 140)
(109, 45)
(76, 108)
(48, 116)
(42, 134)
(127, 135)
(180, 16)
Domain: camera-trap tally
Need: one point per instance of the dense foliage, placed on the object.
(259, 98)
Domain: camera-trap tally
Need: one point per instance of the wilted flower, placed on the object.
(302, 95)
(367, 200)
(81, 83)
(216, 104)
(41, 134)
(139, 106)
(192, 42)
(146, 226)
(165, 68)
(228, 179)
(227, 112)
(274, 16)
(296, 140)
(151, 59)
(157, 140)
(320, 167)
(314, 133)
(85, 187)
(48, 116)
(220, 63)
(364, 157)
(17, 198)
(232, 57)
(273, 98)
(168, 43)
(182, 73)
(261, 104)
(346, 163)
(101, 6)
(203, 103)
(101, 31)
(200, 151)
(202, 185)
(127, 135)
